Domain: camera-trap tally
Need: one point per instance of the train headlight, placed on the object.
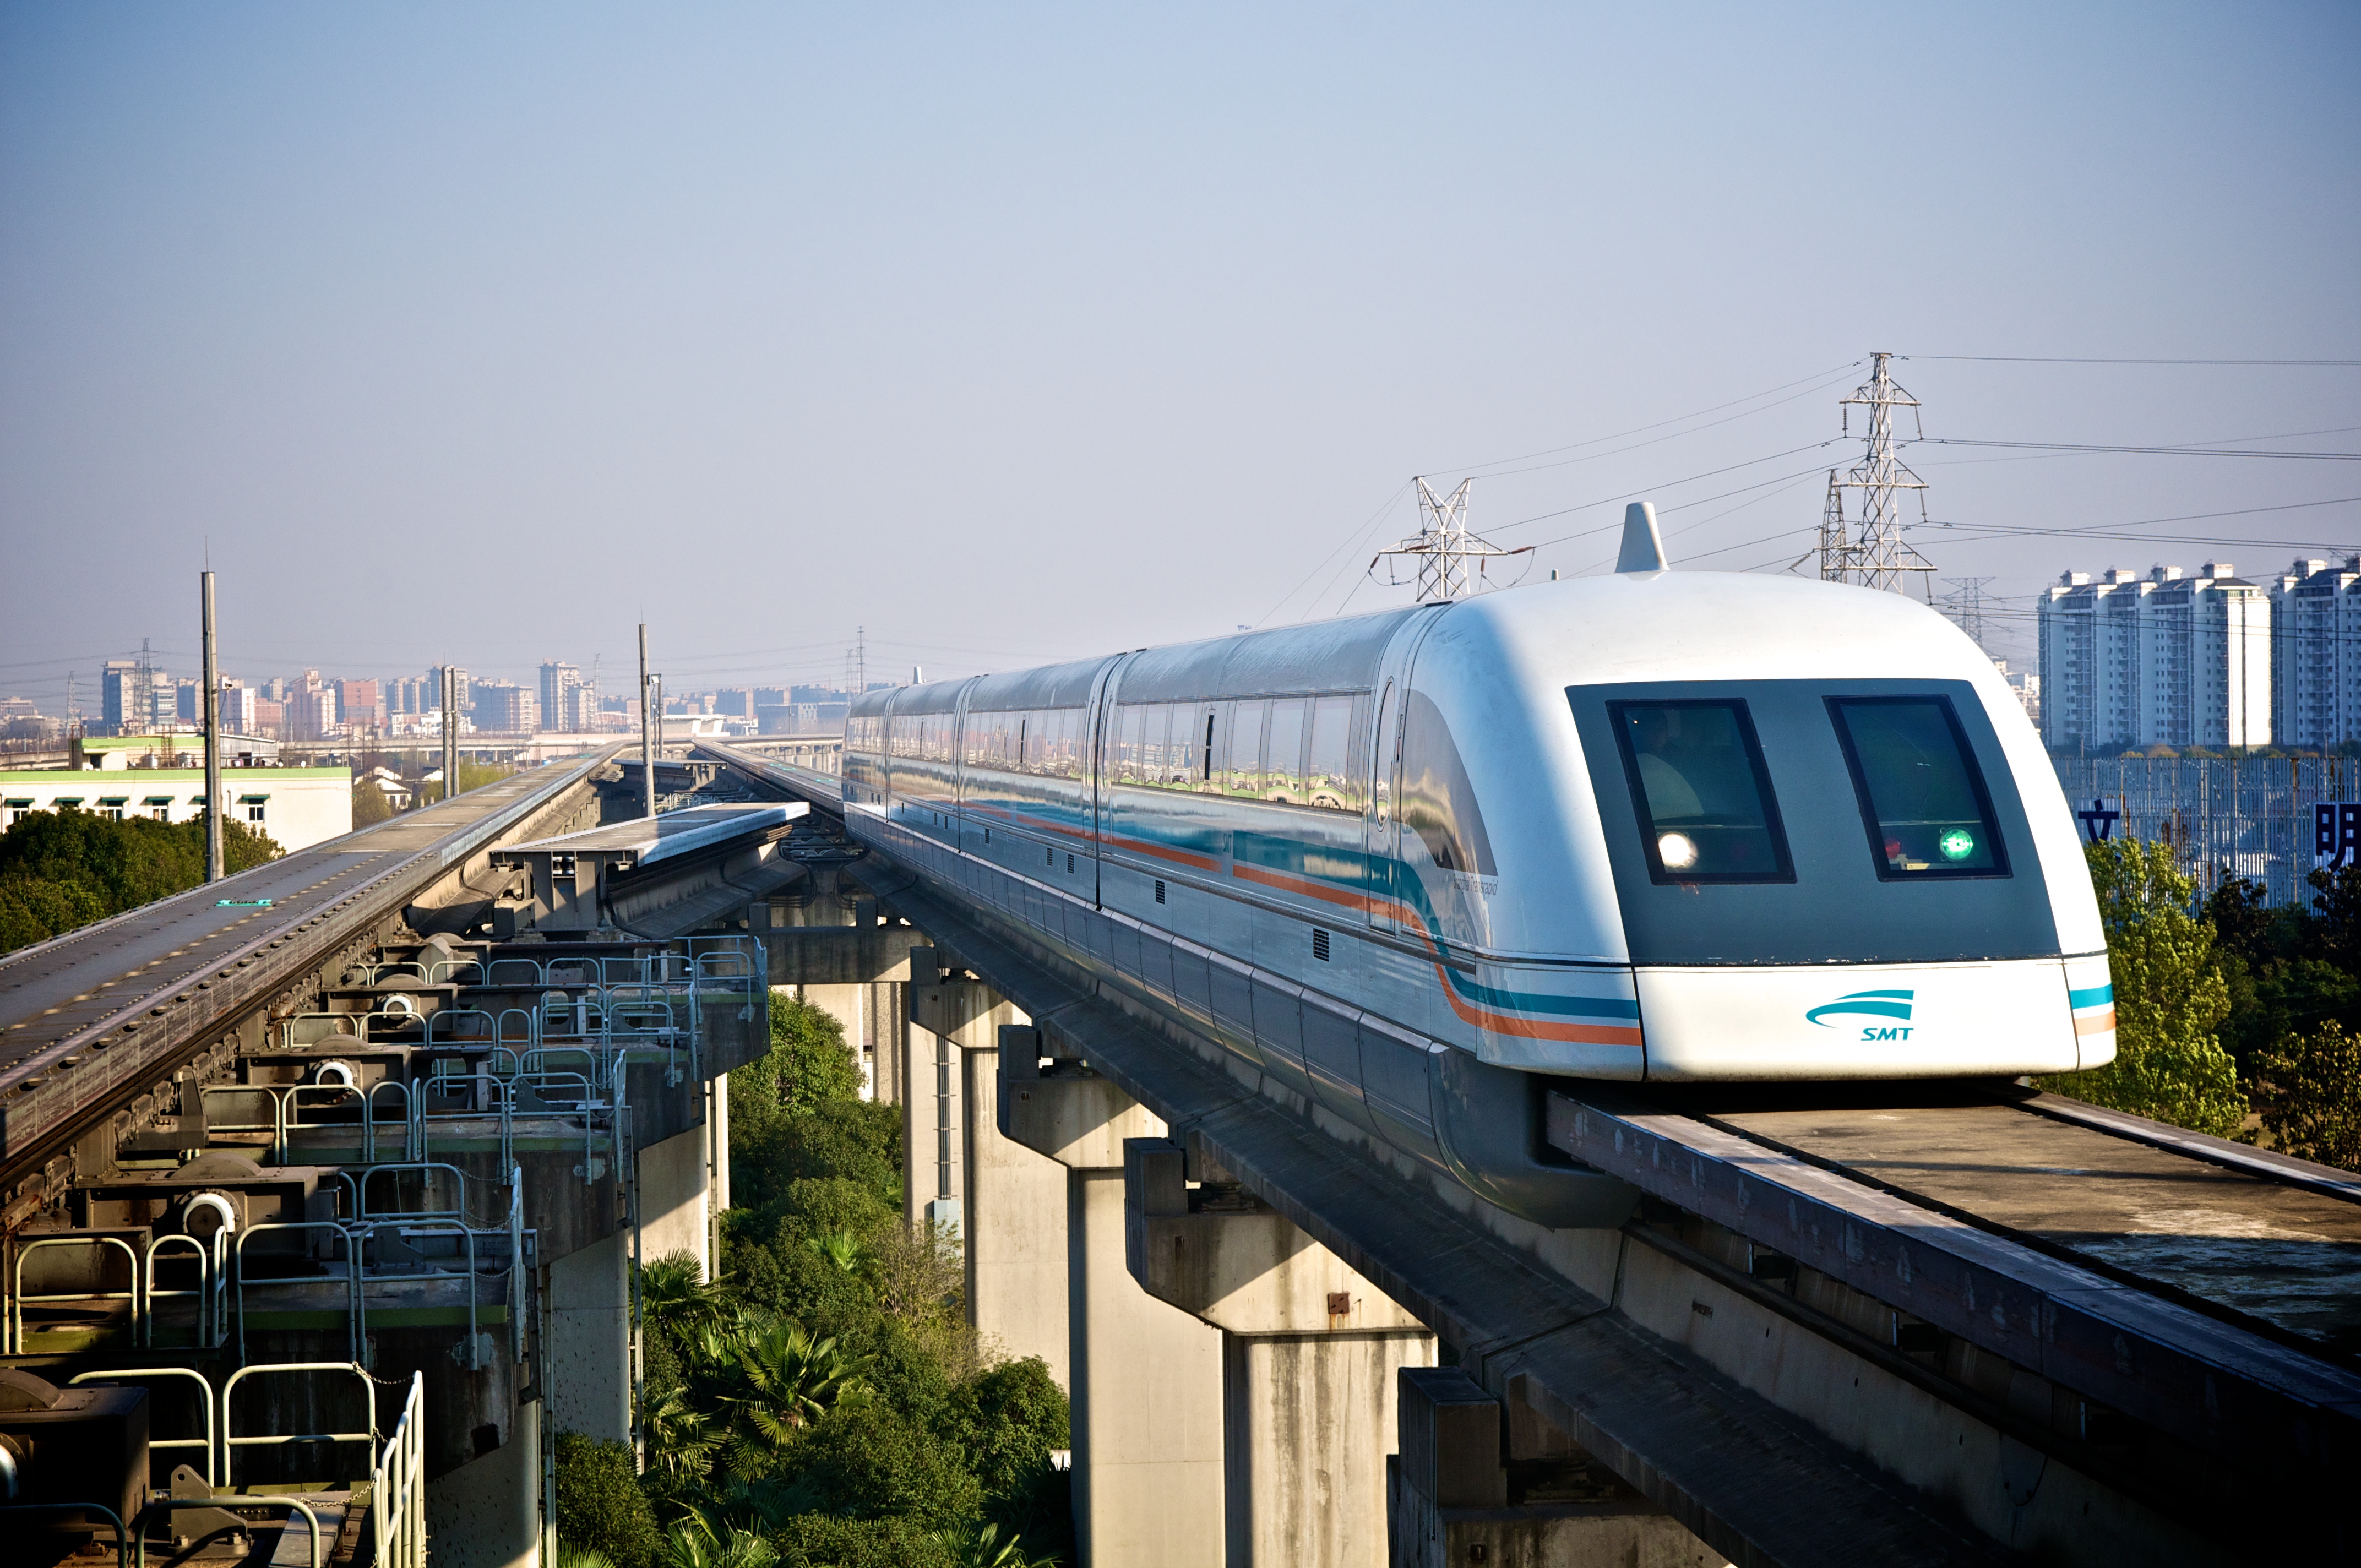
(1956, 844)
(1677, 851)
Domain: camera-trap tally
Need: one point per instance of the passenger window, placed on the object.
(1922, 797)
(1705, 808)
(1282, 772)
(1329, 766)
(1246, 751)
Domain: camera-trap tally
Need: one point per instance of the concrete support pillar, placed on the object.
(589, 1351)
(1476, 1482)
(949, 1015)
(487, 1513)
(1145, 1377)
(676, 1199)
(1015, 1230)
(1311, 1354)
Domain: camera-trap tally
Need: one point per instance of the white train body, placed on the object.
(1658, 826)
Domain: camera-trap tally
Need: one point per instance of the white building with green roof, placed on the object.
(297, 806)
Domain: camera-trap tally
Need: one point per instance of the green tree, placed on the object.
(2310, 1086)
(2170, 996)
(369, 804)
(66, 868)
(599, 1504)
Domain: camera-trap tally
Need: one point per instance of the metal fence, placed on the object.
(2248, 817)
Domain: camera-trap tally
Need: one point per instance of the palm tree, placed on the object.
(980, 1546)
(681, 1441)
(842, 1248)
(693, 1543)
(790, 1378)
(671, 1294)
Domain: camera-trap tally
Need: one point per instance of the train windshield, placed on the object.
(1705, 808)
(1922, 799)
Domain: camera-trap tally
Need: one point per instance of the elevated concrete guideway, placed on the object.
(1820, 1336)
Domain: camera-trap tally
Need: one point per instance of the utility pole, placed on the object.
(450, 732)
(1878, 557)
(215, 867)
(649, 718)
(1443, 547)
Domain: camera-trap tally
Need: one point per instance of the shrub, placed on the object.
(2170, 997)
(599, 1504)
(2310, 1086)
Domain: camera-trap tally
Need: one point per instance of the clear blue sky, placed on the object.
(1014, 333)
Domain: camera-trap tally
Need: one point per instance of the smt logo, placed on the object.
(1868, 1003)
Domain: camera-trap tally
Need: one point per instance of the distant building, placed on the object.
(311, 715)
(2027, 687)
(559, 682)
(359, 705)
(241, 709)
(297, 806)
(501, 708)
(126, 702)
(2166, 659)
(2315, 659)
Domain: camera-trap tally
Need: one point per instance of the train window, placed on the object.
(1282, 768)
(1922, 797)
(1705, 808)
(1438, 798)
(1328, 765)
(1246, 749)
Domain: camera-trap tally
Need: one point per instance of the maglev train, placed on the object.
(1657, 825)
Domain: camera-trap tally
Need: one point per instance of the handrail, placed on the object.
(362, 1211)
(204, 1405)
(16, 1298)
(122, 1537)
(203, 1292)
(398, 1488)
(230, 1441)
(264, 1500)
(352, 1283)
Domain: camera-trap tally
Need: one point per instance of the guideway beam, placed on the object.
(1311, 1353)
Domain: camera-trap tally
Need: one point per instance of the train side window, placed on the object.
(1706, 813)
(1246, 749)
(1922, 797)
(1328, 765)
(1282, 771)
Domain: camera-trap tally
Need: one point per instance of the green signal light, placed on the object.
(1957, 845)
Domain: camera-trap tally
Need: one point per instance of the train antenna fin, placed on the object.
(1643, 547)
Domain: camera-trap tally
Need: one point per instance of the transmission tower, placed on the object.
(1965, 604)
(1877, 556)
(856, 663)
(1835, 542)
(1443, 547)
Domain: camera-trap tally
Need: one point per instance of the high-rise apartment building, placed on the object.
(501, 708)
(2163, 660)
(2315, 659)
(359, 705)
(126, 701)
(558, 682)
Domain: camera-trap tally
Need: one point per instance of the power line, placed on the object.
(2039, 359)
(1819, 376)
(2151, 451)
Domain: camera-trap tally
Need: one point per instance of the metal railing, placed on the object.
(204, 1406)
(398, 1485)
(17, 1300)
